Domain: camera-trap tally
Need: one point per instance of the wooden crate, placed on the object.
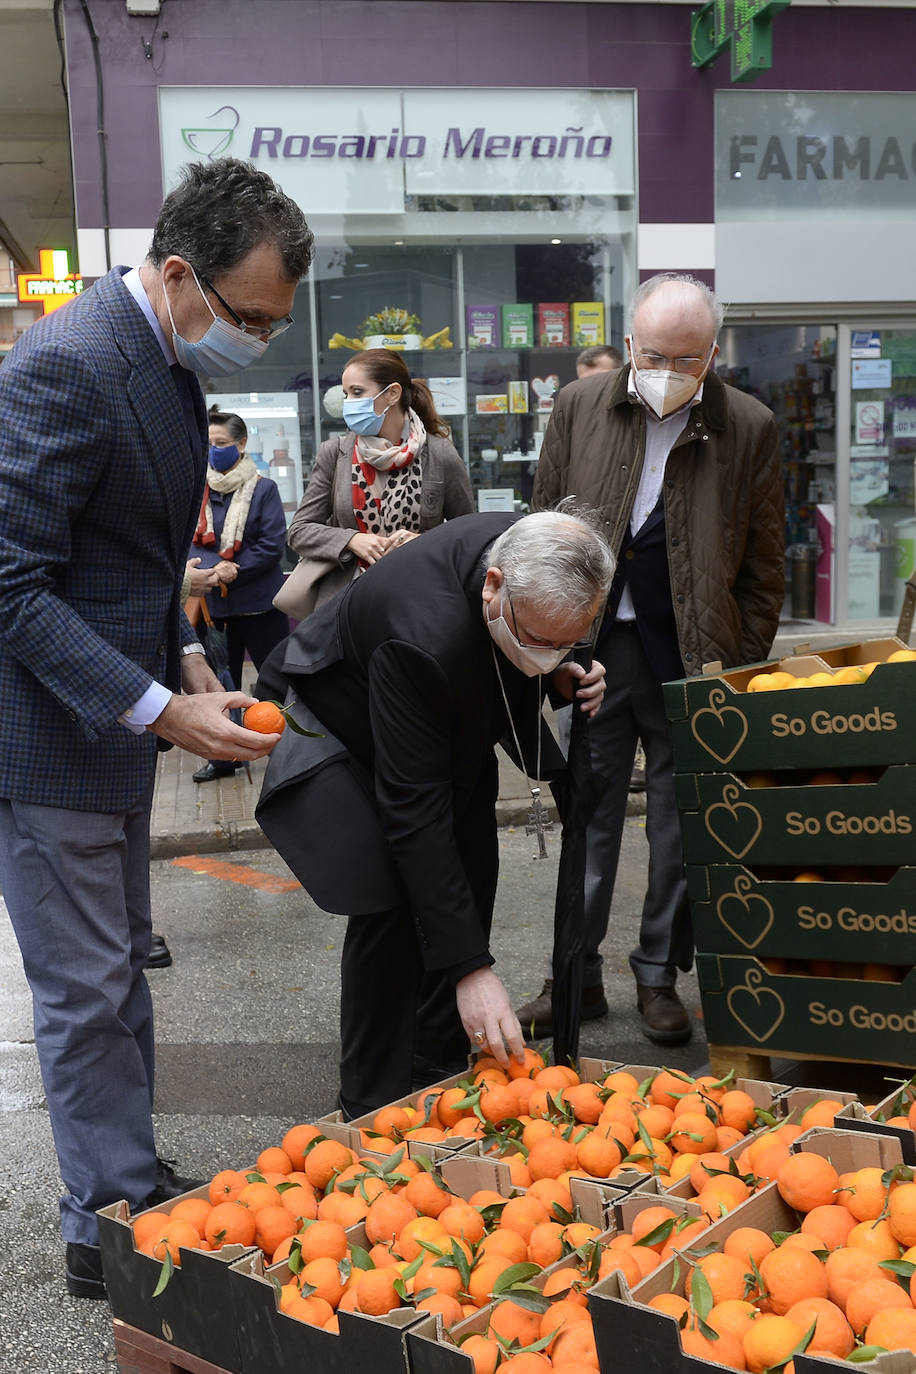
(139, 1353)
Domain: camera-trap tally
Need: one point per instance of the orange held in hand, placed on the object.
(265, 717)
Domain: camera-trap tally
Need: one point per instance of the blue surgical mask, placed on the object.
(224, 348)
(223, 457)
(361, 417)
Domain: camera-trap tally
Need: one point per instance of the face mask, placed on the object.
(360, 416)
(223, 457)
(529, 660)
(665, 392)
(224, 349)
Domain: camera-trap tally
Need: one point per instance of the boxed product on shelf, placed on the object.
(482, 326)
(716, 723)
(518, 398)
(724, 820)
(746, 1007)
(735, 911)
(194, 1311)
(518, 325)
(493, 404)
(553, 324)
(587, 323)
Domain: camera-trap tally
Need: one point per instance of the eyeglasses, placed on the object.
(657, 361)
(542, 644)
(268, 331)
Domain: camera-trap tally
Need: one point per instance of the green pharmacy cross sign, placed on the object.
(746, 25)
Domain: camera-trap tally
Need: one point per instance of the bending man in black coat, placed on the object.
(413, 675)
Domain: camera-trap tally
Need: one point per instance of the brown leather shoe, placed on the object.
(536, 1016)
(664, 1015)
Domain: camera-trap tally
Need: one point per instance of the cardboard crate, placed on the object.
(271, 1342)
(194, 1313)
(736, 912)
(630, 1335)
(725, 821)
(716, 724)
(748, 1008)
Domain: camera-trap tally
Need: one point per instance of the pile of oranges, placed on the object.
(777, 680)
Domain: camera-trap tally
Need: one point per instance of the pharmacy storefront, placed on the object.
(488, 234)
(815, 202)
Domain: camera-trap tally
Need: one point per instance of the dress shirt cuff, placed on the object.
(150, 706)
(459, 971)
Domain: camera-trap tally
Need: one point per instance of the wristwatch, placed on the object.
(195, 648)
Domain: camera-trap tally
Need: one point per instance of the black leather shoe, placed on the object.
(536, 1016)
(213, 770)
(169, 1184)
(84, 1271)
(664, 1016)
(159, 956)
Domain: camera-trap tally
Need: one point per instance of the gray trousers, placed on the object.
(633, 710)
(76, 884)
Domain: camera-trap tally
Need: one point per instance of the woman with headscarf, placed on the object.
(394, 474)
(241, 534)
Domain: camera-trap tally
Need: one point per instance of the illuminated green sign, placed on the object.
(744, 25)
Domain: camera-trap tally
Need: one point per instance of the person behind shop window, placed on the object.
(411, 677)
(393, 475)
(598, 358)
(102, 465)
(240, 535)
(687, 471)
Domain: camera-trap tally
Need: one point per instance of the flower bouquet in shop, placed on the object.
(393, 327)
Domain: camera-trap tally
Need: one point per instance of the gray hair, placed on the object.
(556, 560)
(651, 285)
(220, 211)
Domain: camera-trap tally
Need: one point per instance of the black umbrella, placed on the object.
(576, 797)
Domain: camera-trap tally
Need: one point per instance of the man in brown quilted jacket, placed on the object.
(687, 475)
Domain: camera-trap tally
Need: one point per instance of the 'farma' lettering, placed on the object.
(837, 158)
(474, 144)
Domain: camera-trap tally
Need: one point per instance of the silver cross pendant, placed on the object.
(538, 822)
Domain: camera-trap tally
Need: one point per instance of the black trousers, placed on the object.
(256, 634)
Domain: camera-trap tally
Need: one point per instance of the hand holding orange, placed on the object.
(265, 717)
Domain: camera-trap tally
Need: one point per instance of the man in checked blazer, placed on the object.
(102, 460)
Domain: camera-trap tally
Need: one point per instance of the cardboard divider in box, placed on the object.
(748, 1008)
(859, 1118)
(271, 1342)
(716, 723)
(630, 1335)
(736, 912)
(194, 1312)
(725, 821)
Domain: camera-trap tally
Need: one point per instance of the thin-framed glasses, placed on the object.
(544, 644)
(269, 331)
(646, 358)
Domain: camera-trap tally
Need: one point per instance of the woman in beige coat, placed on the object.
(394, 474)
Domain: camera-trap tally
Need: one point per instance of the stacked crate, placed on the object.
(798, 817)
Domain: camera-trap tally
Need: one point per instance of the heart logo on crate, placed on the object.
(733, 824)
(744, 913)
(761, 1009)
(719, 729)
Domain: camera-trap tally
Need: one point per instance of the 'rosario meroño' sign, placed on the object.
(795, 154)
(340, 151)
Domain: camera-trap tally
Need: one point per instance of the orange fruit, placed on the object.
(738, 1110)
(300, 1201)
(342, 1208)
(820, 1113)
(569, 1282)
(671, 1303)
(526, 1362)
(313, 1310)
(597, 1155)
(522, 1214)
(273, 1225)
(847, 1267)
(725, 1349)
(748, 1244)
(692, 1133)
(226, 1186)
(323, 1239)
(574, 1348)
(391, 1120)
(484, 1353)
(420, 1231)
(192, 1209)
(876, 1237)
(585, 1102)
(545, 1244)
(623, 1261)
(866, 1300)
(462, 1220)
(725, 1275)
(324, 1160)
(668, 1088)
(769, 1341)
(265, 717)
(428, 1194)
(830, 1224)
(512, 1322)
(444, 1278)
(484, 1274)
(230, 1223)
(375, 1291)
(448, 1307)
(807, 1180)
(323, 1275)
(172, 1235)
(148, 1224)
(832, 1334)
(258, 1195)
(274, 1160)
(901, 1213)
(551, 1157)
(560, 1314)
(296, 1140)
(790, 1274)
(502, 1241)
(894, 1328)
(387, 1217)
(648, 1220)
(734, 1315)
